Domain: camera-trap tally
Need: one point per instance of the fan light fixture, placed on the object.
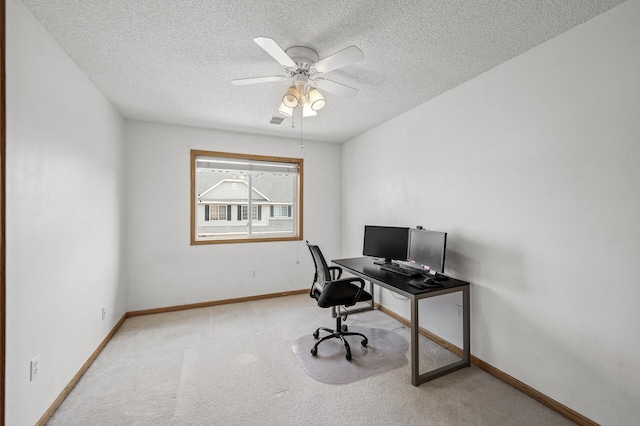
(285, 110)
(316, 100)
(304, 95)
(307, 111)
(290, 98)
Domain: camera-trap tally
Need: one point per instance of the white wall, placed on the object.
(163, 269)
(532, 168)
(63, 211)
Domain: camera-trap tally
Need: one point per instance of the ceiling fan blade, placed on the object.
(254, 80)
(345, 57)
(336, 88)
(272, 48)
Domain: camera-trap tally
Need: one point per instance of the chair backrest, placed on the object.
(322, 275)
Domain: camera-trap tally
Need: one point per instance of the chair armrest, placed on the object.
(360, 290)
(335, 270)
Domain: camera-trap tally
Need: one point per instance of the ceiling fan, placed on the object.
(303, 68)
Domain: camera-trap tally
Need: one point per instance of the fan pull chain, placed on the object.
(301, 146)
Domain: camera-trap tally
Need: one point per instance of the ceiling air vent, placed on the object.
(276, 120)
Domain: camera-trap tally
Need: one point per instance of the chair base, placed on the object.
(339, 333)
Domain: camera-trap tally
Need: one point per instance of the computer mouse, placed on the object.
(431, 281)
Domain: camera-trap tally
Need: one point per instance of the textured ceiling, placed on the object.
(172, 61)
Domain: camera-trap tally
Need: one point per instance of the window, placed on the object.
(280, 211)
(225, 187)
(254, 212)
(215, 212)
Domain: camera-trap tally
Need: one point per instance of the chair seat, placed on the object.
(341, 295)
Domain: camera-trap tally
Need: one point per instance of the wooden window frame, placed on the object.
(297, 208)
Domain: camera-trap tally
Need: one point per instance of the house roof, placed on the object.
(270, 188)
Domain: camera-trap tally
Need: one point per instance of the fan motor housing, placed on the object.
(303, 56)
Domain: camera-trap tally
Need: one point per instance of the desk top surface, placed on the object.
(365, 266)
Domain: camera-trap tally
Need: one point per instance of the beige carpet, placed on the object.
(233, 365)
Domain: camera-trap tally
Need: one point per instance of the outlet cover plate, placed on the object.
(35, 368)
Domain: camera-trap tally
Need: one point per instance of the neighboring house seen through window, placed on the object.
(225, 187)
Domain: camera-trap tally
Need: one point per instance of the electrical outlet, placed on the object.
(104, 313)
(35, 368)
(459, 309)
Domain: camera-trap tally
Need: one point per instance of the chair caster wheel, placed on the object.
(345, 328)
(314, 351)
(365, 342)
(316, 334)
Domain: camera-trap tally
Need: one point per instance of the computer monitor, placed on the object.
(427, 249)
(388, 242)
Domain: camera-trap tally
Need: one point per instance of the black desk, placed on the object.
(364, 268)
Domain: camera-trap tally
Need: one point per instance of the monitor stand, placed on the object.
(383, 262)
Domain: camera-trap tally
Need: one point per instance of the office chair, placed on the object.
(331, 291)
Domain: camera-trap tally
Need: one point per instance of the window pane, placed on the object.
(281, 211)
(254, 212)
(217, 212)
(228, 185)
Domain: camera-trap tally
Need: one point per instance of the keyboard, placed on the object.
(400, 270)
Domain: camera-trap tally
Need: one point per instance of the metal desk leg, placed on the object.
(466, 327)
(416, 377)
(415, 346)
